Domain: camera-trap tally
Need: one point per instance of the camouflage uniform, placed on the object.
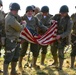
(46, 22)
(64, 29)
(2, 31)
(12, 47)
(73, 53)
(12, 29)
(32, 25)
(73, 39)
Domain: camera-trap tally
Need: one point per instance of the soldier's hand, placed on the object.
(51, 22)
(58, 37)
(24, 23)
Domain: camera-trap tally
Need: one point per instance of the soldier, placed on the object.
(33, 6)
(64, 30)
(44, 17)
(32, 25)
(73, 53)
(2, 32)
(12, 30)
(37, 10)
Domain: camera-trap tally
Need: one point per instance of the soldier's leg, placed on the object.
(54, 54)
(14, 60)
(0, 56)
(9, 54)
(1, 71)
(0, 50)
(24, 47)
(73, 54)
(35, 51)
(43, 54)
(61, 57)
(0, 46)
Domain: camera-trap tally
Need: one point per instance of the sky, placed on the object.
(54, 5)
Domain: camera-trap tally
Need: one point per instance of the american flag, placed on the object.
(48, 38)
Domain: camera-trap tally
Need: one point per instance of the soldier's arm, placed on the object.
(73, 16)
(69, 28)
(3, 19)
(15, 24)
(41, 26)
(39, 23)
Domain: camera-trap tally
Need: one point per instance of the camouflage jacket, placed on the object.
(64, 27)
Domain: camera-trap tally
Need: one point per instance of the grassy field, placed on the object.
(45, 70)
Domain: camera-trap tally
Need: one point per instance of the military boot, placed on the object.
(5, 69)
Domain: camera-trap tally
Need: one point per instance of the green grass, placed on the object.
(46, 70)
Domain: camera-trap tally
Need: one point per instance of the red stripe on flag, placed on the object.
(47, 38)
